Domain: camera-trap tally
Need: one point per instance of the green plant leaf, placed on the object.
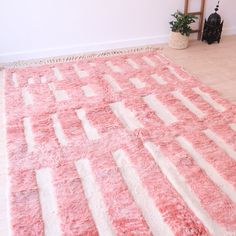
(182, 23)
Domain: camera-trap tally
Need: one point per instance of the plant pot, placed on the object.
(178, 41)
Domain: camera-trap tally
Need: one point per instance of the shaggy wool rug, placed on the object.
(126, 144)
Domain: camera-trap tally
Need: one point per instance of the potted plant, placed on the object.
(180, 27)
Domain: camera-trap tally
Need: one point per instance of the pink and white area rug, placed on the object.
(126, 144)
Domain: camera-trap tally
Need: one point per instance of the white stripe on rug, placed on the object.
(148, 61)
(233, 126)
(160, 58)
(207, 97)
(5, 228)
(31, 81)
(91, 132)
(80, 73)
(60, 95)
(94, 196)
(52, 87)
(161, 110)
(114, 84)
(126, 116)
(48, 202)
(88, 91)
(220, 143)
(140, 194)
(208, 168)
(173, 71)
(158, 79)
(57, 74)
(179, 183)
(132, 63)
(43, 79)
(137, 83)
(27, 97)
(113, 67)
(29, 136)
(15, 80)
(188, 104)
(61, 137)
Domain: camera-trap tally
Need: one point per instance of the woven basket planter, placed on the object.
(178, 41)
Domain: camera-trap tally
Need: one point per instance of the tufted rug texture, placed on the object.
(126, 144)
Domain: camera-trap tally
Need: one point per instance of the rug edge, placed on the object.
(5, 228)
(77, 57)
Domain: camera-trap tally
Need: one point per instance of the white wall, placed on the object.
(41, 28)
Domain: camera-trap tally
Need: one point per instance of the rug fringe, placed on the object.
(76, 57)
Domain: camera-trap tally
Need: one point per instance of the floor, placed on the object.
(214, 65)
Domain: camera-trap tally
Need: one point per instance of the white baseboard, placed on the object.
(229, 31)
(84, 48)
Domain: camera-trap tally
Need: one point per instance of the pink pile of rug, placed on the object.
(127, 144)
